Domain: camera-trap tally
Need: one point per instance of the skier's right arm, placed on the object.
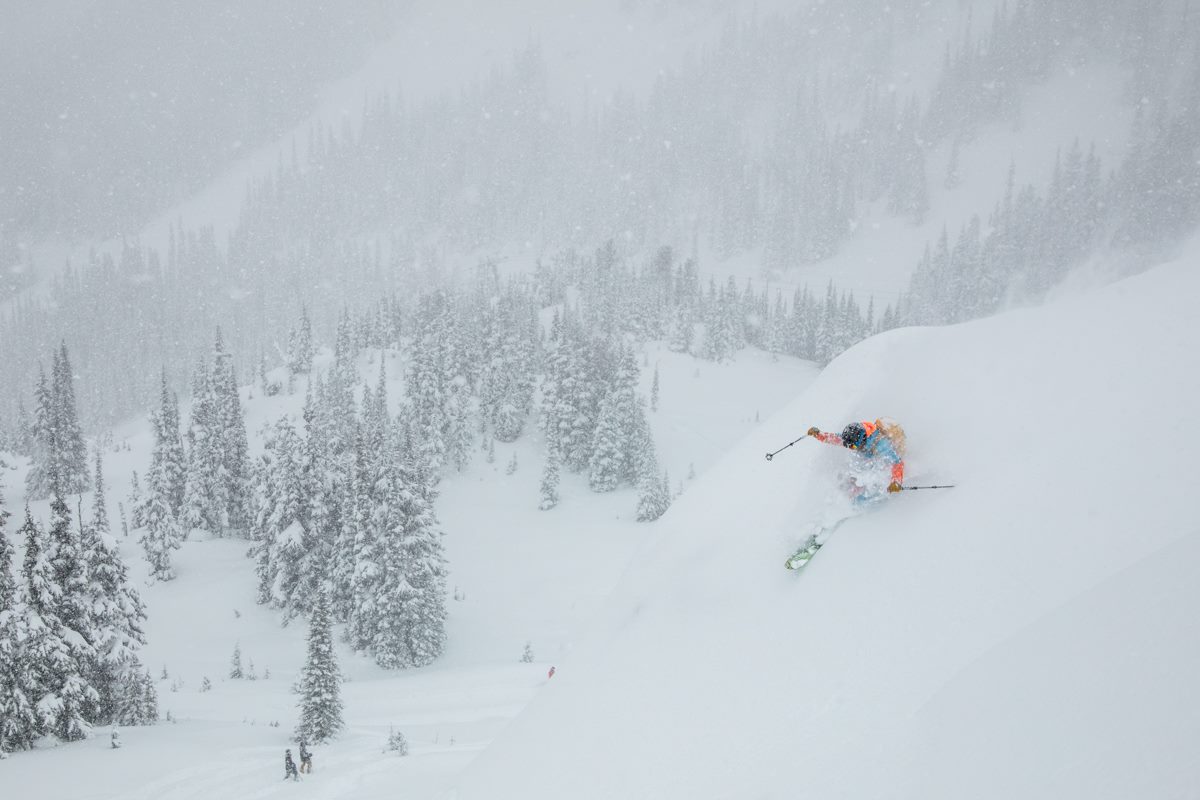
(827, 438)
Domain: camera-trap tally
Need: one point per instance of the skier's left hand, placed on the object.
(894, 487)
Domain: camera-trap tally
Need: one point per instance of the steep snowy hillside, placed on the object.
(1029, 633)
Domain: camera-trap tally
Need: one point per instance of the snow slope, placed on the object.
(1030, 633)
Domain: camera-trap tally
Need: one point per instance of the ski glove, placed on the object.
(894, 487)
(813, 431)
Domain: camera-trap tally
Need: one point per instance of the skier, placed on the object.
(305, 758)
(289, 767)
(870, 440)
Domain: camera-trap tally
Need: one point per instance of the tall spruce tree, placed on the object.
(38, 480)
(550, 477)
(59, 455)
(320, 681)
(33, 648)
(168, 447)
(117, 612)
(20, 722)
(73, 475)
(234, 455)
(616, 438)
(162, 532)
(75, 699)
(204, 503)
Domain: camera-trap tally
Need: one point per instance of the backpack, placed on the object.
(895, 434)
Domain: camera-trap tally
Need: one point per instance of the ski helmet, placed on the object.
(853, 435)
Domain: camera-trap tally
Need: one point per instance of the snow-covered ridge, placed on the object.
(1024, 634)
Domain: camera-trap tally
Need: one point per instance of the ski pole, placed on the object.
(785, 447)
(914, 488)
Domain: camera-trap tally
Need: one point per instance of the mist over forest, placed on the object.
(303, 270)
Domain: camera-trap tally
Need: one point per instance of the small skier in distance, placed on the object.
(305, 758)
(289, 767)
(550, 674)
(871, 440)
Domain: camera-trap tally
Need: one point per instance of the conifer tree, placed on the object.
(234, 448)
(204, 499)
(74, 451)
(162, 532)
(37, 480)
(286, 555)
(614, 444)
(59, 453)
(168, 448)
(71, 697)
(139, 698)
(550, 478)
(20, 722)
(8, 583)
(117, 612)
(653, 498)
(320, 681)
(399, 605)
(300, 346)
(236, 671)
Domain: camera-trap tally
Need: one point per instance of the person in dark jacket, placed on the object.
(289, 767)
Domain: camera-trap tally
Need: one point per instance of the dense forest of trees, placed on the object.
(70, 623)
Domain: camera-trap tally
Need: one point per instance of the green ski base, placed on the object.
(804, 554)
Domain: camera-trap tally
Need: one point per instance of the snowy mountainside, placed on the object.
(517, 575)
(1027, 633)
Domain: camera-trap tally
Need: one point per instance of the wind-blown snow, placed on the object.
(1029, 633)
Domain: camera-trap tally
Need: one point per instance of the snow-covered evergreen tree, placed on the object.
(204, 502)
(168, 452)
(236, 670)
(161, 529)
(230, 424)
(550, 478)
(285, 550)
(8, 581)
(615, 441)
(300, 346)
(70, 700)
(116, 609)
(399, 583)
(506, 393)
(38, 479)
(139, 698)
(59, 455)
(320, 680)
(20, 722)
